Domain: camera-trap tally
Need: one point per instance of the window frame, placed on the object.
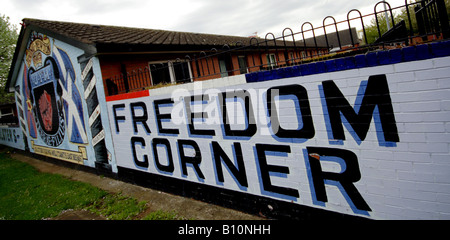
(170, 66)
(242, 68)
(271, 64)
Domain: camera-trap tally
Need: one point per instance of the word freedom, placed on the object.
(209, 116)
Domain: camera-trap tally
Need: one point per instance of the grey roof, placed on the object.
(91, 33)
(114, 35)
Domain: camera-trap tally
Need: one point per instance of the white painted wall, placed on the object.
(409, 179)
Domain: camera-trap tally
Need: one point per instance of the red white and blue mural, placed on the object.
(54, 112)
(53, 100)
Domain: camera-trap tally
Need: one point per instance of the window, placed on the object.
(271, 60)
(160, 73)
(223, 68)
(170, 72)
(242, 64)
(182, 72)
(292, 58)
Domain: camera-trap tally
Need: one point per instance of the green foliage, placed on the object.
(372, 31)
(8, 39)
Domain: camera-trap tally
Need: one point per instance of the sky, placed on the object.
(230, 17)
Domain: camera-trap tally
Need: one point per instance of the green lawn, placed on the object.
(28, 194)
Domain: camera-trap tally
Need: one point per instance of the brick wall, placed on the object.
(201, 68)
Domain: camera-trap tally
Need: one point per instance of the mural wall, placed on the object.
(367, 137)
(52, 103)
(12, 137)
(369, 142)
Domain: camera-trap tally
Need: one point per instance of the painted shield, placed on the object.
(47, 102)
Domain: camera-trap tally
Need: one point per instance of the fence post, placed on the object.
(420, 21)
(337, 32)
(123, 69)
(314, 37)
(443, 18)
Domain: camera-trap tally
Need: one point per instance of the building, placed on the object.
(134, 58)
(335, 41)
(339, 135)
(62, 71)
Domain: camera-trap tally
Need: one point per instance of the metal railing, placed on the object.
(386, 27)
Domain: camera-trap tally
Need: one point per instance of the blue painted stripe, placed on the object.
(371, 59)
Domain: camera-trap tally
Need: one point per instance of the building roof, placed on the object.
(95, 34)
(103, 37)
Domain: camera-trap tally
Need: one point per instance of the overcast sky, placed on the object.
(230, 17)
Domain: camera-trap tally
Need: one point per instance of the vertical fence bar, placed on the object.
(189, 61)
(277, 59)
(337, 32)
(314, 37)
(443, 18)
(125, 77)
(411, 31)
(362, 23)
(258, 50)
(376, 15)
(285, 47)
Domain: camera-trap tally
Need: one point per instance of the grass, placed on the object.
(162, 215)
(117, 207)
(27, 194)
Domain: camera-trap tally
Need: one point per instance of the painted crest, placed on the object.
(46, 101)
(53, 102)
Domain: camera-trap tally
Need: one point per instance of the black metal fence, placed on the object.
(386, 27)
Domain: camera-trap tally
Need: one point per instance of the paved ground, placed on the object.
(188, 208)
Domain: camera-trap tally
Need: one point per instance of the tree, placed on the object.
(372, 31)
(8, 39)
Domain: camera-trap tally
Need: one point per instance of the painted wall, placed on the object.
(52, 93)
(370, 141)
(12, 137)
(366, 136)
